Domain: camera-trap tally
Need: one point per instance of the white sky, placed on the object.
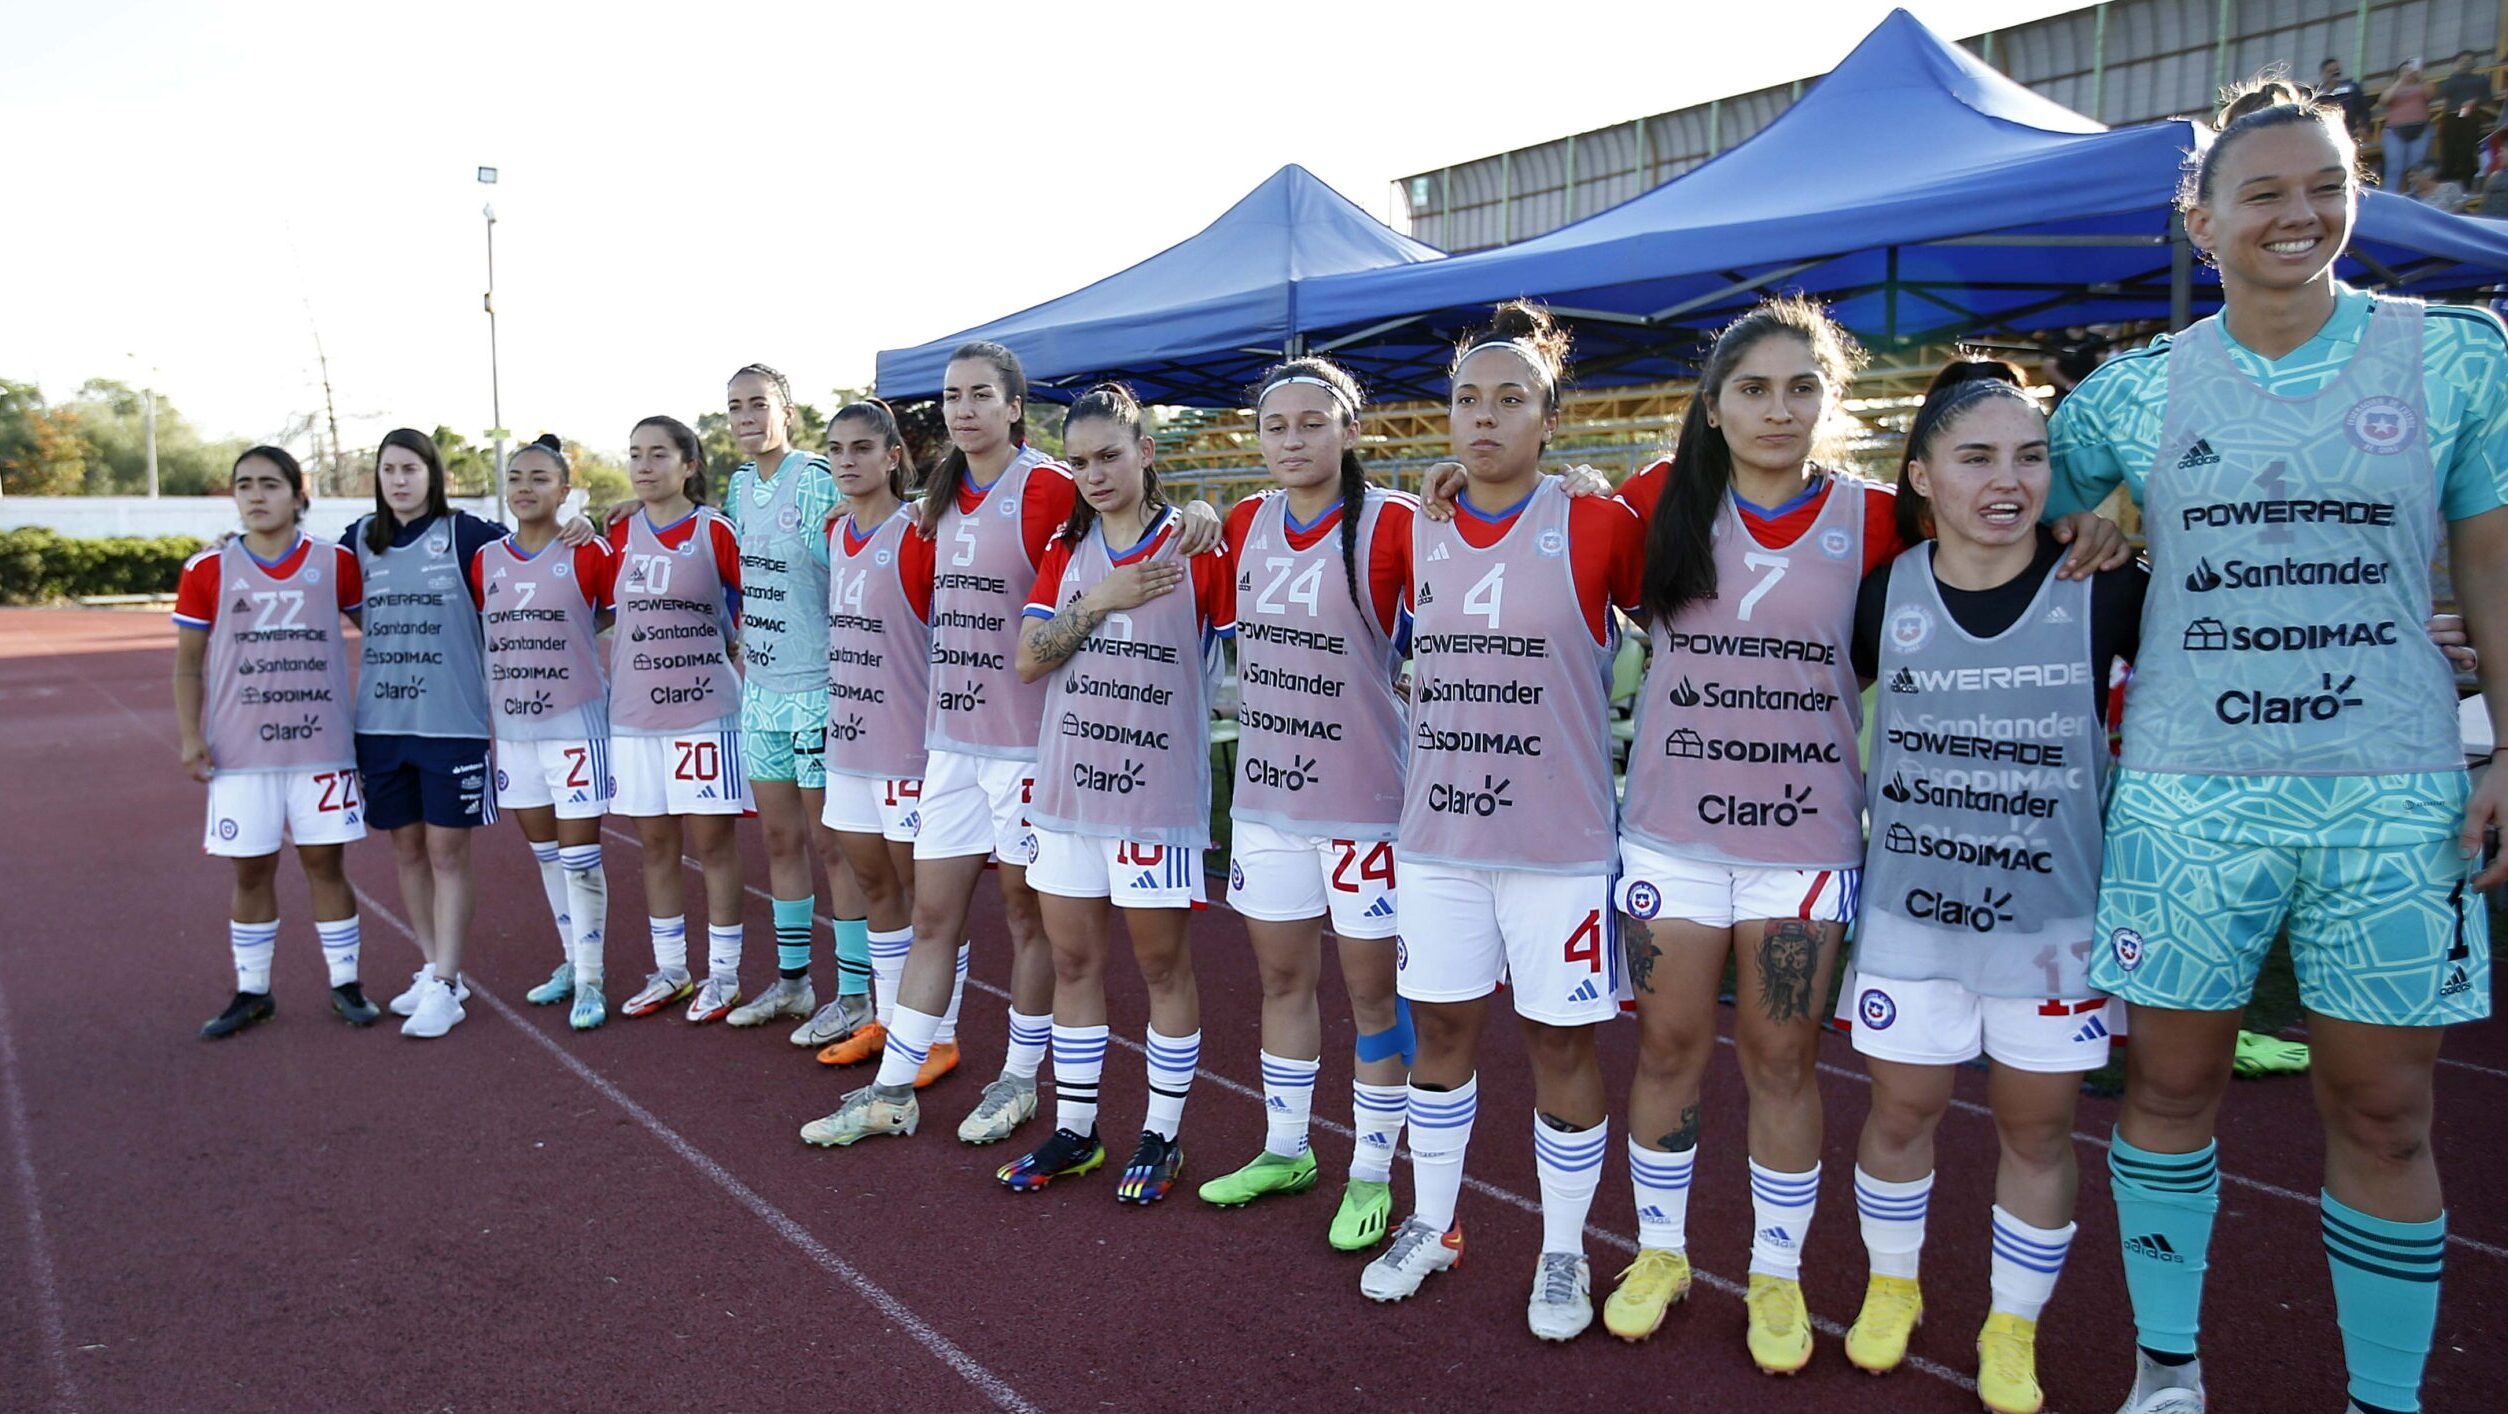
(688, 187)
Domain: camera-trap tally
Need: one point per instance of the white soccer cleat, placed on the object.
(834, 1022)
(788, 996)
(2174, 1400)
(439, 1009)
(1562, 1304)
(1417, 1249)
(2182, 1392)
(715, 998)
(1005, 1104)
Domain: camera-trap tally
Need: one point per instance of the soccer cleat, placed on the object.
(659, 990)
(937, 1062)
(559, 987)
(2173, 1400)
(1366, 1208)
(1893, 1308)
(1562, 1305)
(2163, 1389)
(1417, 1250)
(1649, 1287)
(833, 1023)
(1780, 1326)
(1157, 1162)
(407, 1002)
(2007, 1365)
(439, 1010)
(866, 1042)
(785, 996)
(590, 1008)
(714, 1000)
(1268, 1174)
(1005, 1105)
(349, 1000)
(864, 1114)
(2258, 1056)
(248, 1009)
(1062, 1155)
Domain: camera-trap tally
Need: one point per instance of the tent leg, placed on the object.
(2180, 274)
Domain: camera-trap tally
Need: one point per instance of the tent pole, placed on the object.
(1890, 281)
(2180, 274)
(2098, 68)
(2360, 44)
(2220, 46)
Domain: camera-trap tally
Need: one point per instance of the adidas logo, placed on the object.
(2058, 615)
(1383, 908)
(1427, 593)
(1905, 681)
(1650, 1213)
(2456, 982)
(1148, 880)
(1586, 991)
(1437, 554)
(2096, 1028)
(2200, 454)
(1276, 1103)
(2152, 1247)
(1777, 1235)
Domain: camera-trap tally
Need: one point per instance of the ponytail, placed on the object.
(940, 491)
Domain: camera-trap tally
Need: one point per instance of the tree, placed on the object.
(42, 451)
(602, 480)
(723, 455)
(466, 469)
(113, 419)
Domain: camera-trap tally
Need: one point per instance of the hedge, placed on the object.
(40, 566)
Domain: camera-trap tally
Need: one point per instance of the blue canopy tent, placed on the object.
(1923, 194)
(1197, 322)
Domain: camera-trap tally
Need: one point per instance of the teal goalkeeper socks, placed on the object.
(853, 957)
(2164, 1209)
(792, 936)
(2385, 1298)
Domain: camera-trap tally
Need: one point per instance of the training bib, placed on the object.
(980, 585)
(422, 669)
(879, 650)
(277, 672)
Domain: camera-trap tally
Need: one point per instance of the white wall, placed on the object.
(96, 517)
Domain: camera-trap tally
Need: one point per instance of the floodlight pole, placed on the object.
(496, 396)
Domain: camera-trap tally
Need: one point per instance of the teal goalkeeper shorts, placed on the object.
(784, 736)
(2389, 934)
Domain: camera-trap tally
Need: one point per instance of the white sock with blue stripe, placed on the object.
(1570, 1164)
(1288, 1103)
(1376, 1112)
(587, 907)
(553, 884)
(1660, 1180)
(1079, 1066)
(722, 954)
(253, 945)
(1172, 1061)
(888, 971)
(1893, 1217)
(670, 946)
(339, 948)
(1780, 1218)
(2027, 1260)
(957, 998)
(909, 1044)
(1441, 1129)
(1028, 1035)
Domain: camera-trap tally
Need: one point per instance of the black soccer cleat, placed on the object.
(349, 1000)
(1152, 1174)
(247, 1009)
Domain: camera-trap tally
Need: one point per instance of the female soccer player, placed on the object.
(541, 604)
(879, 650)
(992, 506)
(1122, 807)
(1989, 753)
(1508, 826)
(2291, 750)
(675, 707)
(422, 709)
(1324, 560)
(780, 499)
(261, 698)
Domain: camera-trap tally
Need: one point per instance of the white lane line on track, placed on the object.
(965, 1366)
(2492, 1071)
(40, 1283)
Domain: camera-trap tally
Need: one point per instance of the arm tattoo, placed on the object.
(1054, 640)
(1685, 1138)
(1642, 951)
(1789, 953)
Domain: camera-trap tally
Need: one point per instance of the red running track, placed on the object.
(521, 1217)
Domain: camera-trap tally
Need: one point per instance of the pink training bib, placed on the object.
(879, 650)
(544, 672)
(277, 673)
(979, 588)
(670, 668)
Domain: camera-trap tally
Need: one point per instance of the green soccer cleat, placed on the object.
(1268, 1174)
(2259, 1056)
(591, 1008)
(559, 987)
(1366, 1211)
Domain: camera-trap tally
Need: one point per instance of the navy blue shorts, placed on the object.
(441, 780)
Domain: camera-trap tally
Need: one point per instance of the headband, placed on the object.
(1531, 356)
(1311, 381)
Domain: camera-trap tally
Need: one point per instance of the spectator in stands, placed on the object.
(2345, 93)
(2425, 186)
(2462, 96)
(2405, 108)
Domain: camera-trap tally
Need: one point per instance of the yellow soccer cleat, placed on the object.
(1780, 1325)
(2007, 1365)
(1893, 1308)
(1648, 1288)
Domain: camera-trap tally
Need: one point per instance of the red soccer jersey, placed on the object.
(1606, 549)
(1780, 526)
(596, 569)
(196, 593)
(916, 558)
(1388, 558)
(1051, 494)
(1213, 603)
